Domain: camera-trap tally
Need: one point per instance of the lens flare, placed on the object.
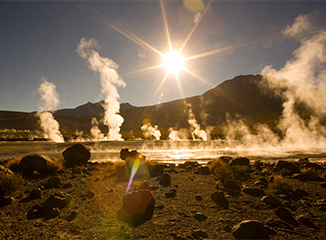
(134, 170)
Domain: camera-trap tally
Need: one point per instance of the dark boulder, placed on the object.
(285, 215)
(219, 198)
(51, 207)
(231, 184)
(53, 182)
(258, 192)
(311, 165)
(250, 229)
(31, 163)
(138, 207)
(286, 166)
(243, 161)
(273, 201)
(200, 217)
(77, 154)
(202, 170)
(59, 200)
(306, 177)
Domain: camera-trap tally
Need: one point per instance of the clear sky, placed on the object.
(39, 39)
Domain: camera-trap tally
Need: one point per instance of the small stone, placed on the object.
(323, 184)
(254, 191)
(199, 198)
(261, 184)
(35, 193)
(90, 195)
(170, 194)
(200, 217)
(165, 180)
(227, 228)
(53, 182)
(72, 216)
(67, 185)
(197, 234)
(179, 237)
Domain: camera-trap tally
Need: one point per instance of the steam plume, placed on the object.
(95, 131)
(306, 71)
(181, 135)
(110, 80)
(48, 102)
(195, 127)
(150, 131)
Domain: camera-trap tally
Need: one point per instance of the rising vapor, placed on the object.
(307, 72)
(95, 131)
(110, 80)
(48, 102)
(150, 131)
(196, 131)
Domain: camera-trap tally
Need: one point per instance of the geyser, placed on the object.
(110, 80)
(48, 102)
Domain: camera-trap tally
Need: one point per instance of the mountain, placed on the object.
(240, 96)
(88, 110)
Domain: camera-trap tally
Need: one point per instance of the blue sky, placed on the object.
(39, 39)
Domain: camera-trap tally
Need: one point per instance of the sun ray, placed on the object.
(136, 40)
(166, 25)
(142, 70)
(180, 86)
(204, 80)
(160, 86)
(205, 54)
(194, 28)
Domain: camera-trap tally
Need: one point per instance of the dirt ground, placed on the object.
(96, 196)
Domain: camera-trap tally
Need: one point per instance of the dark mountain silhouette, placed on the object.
(240, 96)
(88, 110)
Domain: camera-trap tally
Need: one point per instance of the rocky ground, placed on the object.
(82, 202)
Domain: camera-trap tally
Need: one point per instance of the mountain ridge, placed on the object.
(240, 96)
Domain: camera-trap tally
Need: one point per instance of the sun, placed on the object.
(173, 62)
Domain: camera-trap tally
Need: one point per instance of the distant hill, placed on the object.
(240, 96)
(88, 110)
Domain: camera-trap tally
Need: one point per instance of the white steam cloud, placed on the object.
(151, 131)
(48, 102)
(95, 131)
(181, 135)
(110, 80)
(196, 131)
(301, 82)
